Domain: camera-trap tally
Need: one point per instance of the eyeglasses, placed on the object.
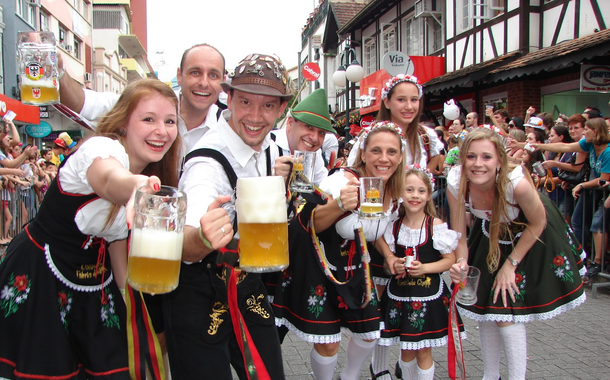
(511, 125)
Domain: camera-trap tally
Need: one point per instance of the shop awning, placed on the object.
(25, 114)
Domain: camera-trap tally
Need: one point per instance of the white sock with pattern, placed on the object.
(409, 369)
(379, 362)
(323, 367)
(425, 374)
(515, 348)
(358, 351)
(491, 345)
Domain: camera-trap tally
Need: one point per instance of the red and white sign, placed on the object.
(311, 71)
(594, 78)
(367, 121)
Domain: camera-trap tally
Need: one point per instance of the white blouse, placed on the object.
(453, 185)
(90, 219)
(444, 240)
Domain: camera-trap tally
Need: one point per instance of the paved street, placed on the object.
(575, 345)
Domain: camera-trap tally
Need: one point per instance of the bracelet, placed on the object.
(340, 204)
(205, 241)
(459, 259)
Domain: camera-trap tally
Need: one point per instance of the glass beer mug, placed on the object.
(262, 224)
(38, 73)
(156, 240)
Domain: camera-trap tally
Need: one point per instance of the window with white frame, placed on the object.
(414, 36)
(388, 38)
(26, 11)
(466, 20)
(436, 35)
(44, 21)
(85, 10)
(496, 7)
(370, 55)
(77, 48)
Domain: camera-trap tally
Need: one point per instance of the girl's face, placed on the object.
(416, 194)
(403, 104)
(531, 138)
(150, 131)
(589, 134)
(382, 155)
(482, 162)
(554, 137)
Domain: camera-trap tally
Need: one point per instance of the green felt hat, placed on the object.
(313, 110)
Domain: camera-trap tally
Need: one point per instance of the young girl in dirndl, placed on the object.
(417, 248)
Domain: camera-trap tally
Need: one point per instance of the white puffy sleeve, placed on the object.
(453, 180)
(388, 236)
(444, 240)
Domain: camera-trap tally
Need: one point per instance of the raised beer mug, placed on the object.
(38, 72)
(371, 198)
(262, 224)
(156, 240)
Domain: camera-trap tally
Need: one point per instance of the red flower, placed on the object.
(445, 300)
(286, 274)
(558, 261)
(319, 291)
(518, 278)
(342, 304)
(398, 304)
(417, 305)
(21, 283)
(63, 298)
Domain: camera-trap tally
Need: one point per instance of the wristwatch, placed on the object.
(512, 261)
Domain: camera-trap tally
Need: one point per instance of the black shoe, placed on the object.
(398, 371)
(594, 269)
(377, 375)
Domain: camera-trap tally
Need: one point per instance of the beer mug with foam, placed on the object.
(262, 224)
(38, 73)
(156, 240)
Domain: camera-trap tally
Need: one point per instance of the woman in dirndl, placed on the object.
(62, 314)
(322, 291)
(530, 261)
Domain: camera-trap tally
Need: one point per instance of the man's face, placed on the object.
(302, 136)
(200, 79)
(253, 116)
(456, 127)
(470, 122)
(498, 118)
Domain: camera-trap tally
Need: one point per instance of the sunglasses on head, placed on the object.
(511, 125)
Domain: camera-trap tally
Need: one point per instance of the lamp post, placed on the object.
(346, 73)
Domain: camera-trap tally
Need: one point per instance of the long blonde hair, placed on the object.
(499, 209)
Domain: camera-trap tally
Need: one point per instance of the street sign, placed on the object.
(311, 71)
(396, 62)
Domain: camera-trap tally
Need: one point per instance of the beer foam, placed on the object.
(25, 81)
(261, 200)
(157, 244)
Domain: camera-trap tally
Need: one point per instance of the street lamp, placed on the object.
(346, 73)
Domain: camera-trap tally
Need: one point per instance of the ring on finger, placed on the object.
(222, 229)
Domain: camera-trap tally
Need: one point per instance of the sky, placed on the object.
(235, 27)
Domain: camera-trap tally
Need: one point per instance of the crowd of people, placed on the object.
(63, 278)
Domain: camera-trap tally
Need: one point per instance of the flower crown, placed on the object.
(424, 170)
(399, 79)
(388, 124)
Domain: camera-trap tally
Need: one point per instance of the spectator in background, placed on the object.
(472, 121)
(547, 121)
(591, 112)
(515, 154)
(534, 123)
(501, 115)
(516, 122)
(458, 128)
(562, 119)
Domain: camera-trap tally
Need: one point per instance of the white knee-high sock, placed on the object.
(409, 369)
(491, 346)
(425, 374)
(358, 351)
(323, 367)
(380, 359)
(515, 348)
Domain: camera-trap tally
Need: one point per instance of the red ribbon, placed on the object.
(455, 354)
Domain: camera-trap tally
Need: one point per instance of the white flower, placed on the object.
(393, 313)
(19, 299)
(104, 314)
(559, 272)
(8, 292)
(312, 300)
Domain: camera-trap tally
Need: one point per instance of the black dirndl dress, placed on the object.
(312, 306)
(61, 312)
(549, 277)
(415, 309)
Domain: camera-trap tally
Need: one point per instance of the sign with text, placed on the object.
(311, 71)
(396, 62)
(42, 130)
(594, 78)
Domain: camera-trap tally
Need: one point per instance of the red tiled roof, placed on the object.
(345, 11)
